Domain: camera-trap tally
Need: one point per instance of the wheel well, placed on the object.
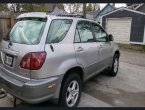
(77, 70)
(74, 69)
(117, 52)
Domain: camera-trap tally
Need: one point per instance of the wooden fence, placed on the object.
(6, 22)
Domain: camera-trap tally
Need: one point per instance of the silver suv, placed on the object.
(49, 57)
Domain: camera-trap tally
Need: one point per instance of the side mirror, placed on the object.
(110, 37)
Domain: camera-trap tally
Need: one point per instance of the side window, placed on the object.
(58, 29)
(77, 36)
(99, 33)
(85, 31)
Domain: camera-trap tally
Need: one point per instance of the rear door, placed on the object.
(24, 38)
(86, 48)
(105, 49)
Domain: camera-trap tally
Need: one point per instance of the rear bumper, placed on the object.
(32, 91)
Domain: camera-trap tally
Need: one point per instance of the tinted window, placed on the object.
(27, 32)
(85, 31)
(99, 33)
(58, 30)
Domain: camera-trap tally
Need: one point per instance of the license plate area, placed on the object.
(9, 60)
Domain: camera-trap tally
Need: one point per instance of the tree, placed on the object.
(95, 6)
(129, 4)
(34, 7)
(69, 5)
(27, 7)
(89, 7)
(3, 6)
(39, 8)
(74, 7)
(113, 4)
(60, 5)
(84, 10)
(132, 5)
(16, 7)
(78, 5)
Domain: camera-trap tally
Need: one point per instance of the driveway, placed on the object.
(125, 90)
(133, 58)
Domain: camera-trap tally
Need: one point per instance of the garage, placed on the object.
(120, 28)
(126, 25)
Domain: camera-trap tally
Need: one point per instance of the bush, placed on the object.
(143, 47)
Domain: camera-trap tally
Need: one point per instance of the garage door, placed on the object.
(120, 28)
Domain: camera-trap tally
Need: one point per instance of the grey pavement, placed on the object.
(127, 89)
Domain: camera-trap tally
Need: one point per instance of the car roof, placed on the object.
(45, 15)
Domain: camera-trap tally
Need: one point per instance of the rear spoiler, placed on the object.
(32, 18)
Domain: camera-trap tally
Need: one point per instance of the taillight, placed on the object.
(33, 60)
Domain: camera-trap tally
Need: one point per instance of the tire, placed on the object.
(114, 70)
(67, 86)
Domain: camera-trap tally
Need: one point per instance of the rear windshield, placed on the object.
(27, 31)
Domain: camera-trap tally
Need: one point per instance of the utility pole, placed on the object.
(84, 10)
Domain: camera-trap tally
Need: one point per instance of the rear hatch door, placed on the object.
(24, 37)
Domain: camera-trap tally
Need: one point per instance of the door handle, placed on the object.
(79, 49)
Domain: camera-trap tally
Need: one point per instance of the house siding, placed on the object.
(137, 25)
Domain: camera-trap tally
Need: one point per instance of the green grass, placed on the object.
(144, 48)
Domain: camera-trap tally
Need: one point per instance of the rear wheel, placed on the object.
(115, 66)
(71, 91)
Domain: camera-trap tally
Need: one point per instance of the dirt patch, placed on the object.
(132, 48)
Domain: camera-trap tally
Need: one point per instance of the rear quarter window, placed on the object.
(58, 29)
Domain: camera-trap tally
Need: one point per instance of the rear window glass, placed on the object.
(28, 31)
(58, 29)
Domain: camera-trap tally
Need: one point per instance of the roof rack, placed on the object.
(71, 15)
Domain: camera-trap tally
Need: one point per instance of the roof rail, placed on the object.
(71, 15)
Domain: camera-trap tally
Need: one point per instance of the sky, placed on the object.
(116, 5)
